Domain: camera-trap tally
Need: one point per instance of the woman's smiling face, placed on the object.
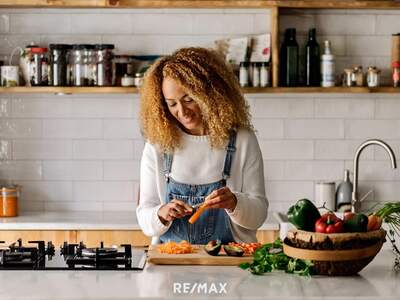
(185, 110)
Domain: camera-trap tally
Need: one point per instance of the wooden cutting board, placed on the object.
(200, 257)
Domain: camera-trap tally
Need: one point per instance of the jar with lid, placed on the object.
(9, 201)
(39, 67)
(244, 74)
(83, 65)
(348, 78)
(138, 79)
(358, 76)
(121, 66)
(58, 64)
(396, 73)
(104, 56)
(264, 74)
(373, 76)
(255, 78)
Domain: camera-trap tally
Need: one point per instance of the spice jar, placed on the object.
(39, 67)
(58, 64)
(264, 74)
(83, 65)
(373, 76)
(9, 201)
(104, 56)
(348, 78)
(244, 74)
(138, 79)
(255, 79)
(358, 76)
(121, 66)
(396, 73)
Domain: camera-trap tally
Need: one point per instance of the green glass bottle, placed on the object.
(313, 60)
(289, 59)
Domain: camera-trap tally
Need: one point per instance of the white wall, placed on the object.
(82, 152)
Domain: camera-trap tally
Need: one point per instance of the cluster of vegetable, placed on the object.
(305, 216)
(270, 257)
(232, 249)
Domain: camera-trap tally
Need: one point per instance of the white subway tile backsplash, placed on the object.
(384, 129)
(269, 129)
(381, 154)
(138, 146)
(387, 109)
(289, 191)
(283, 149)
(122, 170)
(162, 24)
(376, 170)
(313, 170)
(72, 170)
(101, 24)
(40, 23)
(102, 191)
(4, 23)
(302, 22)
(368, 45)
(314, 129)
(340, 24)
(20, 170)
(111, 106)
(70, 39)
(73, 206)
(119, 206)
(301, 108)
(72, 129)
(5, 107)
(35, 107)
(31, 205)
(223, 24)
(262, 23)
(27, 128)
(345, 108)
(387, 25)
(384, 191)
(46, 191)
(340, 150)
(274, 170)
(102, 149)
(137, 45)
(5, 149)
(42, 149)
(9, 42)
(121, 129)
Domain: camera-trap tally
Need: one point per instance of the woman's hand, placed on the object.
(174, 210)
(221, 198)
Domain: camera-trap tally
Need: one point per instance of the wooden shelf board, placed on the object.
(250, 90)
(335, 4)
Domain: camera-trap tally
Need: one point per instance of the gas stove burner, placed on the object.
(103, 252)
(37, 256)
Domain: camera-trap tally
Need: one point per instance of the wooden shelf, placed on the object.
(133, 90)
(345, 4)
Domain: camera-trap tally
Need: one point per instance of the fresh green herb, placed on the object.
(390, 213)
(270, 257)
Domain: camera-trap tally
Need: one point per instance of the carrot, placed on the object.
(374, 222)
(172, 247)
(197, 214)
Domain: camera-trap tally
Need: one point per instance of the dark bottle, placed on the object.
(289, 60)
(312, 63)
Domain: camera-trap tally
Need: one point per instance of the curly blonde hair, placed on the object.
(209, 81)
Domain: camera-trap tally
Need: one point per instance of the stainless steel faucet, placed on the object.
(355, 202)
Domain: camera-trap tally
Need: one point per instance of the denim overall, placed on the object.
(213, 224)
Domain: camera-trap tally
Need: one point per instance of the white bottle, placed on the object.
(327, 66)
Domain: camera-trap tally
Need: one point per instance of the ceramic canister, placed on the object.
(9, 76)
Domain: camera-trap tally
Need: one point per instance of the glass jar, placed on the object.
(396, 73)
(244, 74)
(348, 78)
(121, 66)
(104, 56)
(255, 78)
(358, 76)
(138, 79)
(76, 59)
(83, 65)
(58, 64)
(373, 76)
(9, 201)
(39, 67)
(264, 74)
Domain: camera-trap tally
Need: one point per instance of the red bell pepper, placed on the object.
(329, 223)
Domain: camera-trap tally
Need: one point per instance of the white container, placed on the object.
(9, 76)
(327, 66)
(325, 195)
(127, 80)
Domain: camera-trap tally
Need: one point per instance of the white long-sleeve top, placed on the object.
(197, 163)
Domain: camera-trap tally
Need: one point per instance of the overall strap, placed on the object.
(230, 150)
(167, 165)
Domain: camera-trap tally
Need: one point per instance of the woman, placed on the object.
(200, 148)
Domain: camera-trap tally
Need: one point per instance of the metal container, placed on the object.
(348, 78)
(83, 65)
(58, 64)
(38, 74)
(104, 56)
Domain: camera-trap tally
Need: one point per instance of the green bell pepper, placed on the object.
(357, 223)
(303, 215)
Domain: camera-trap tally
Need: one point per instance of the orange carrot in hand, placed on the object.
(197, 214)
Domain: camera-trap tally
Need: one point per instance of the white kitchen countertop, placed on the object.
(86, 221)
(376, 281)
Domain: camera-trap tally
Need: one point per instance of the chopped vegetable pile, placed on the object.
(176, 248)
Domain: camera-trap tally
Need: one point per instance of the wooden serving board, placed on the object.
(200, 257)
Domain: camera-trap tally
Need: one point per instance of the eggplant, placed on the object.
(233, 250)
(213, 247)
